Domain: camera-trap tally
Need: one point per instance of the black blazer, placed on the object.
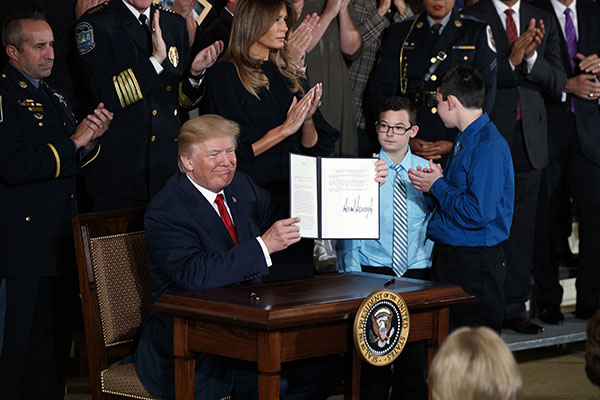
(546, 77)
(587, 112)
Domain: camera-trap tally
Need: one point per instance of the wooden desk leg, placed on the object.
(352, 376)
(269, 365)
(184, 361)
(441, 325)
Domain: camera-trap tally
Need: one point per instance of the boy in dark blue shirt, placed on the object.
(475, 196)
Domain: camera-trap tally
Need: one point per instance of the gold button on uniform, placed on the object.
(27, 219)
(175, 112)
(168, 88)
(40, 123)
(153, 138)
(64, 124)
(72, 196)
(433, 110)
(434, 77)
(465, 58)
(154, 112)
(432, 60)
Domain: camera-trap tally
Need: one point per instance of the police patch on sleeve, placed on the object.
(490, 39)
(84, 36)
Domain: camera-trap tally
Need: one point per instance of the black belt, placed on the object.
(425, 99)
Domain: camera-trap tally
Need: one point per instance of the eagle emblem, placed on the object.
(382, 326)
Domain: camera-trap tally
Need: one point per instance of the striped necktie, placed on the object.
(400, 242)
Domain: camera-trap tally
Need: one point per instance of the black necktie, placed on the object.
(435, 29)
(144, 20)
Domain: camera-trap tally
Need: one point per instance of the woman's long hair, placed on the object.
(253, 18)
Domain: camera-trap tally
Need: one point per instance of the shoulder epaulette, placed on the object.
(97, 8)
(166, 9)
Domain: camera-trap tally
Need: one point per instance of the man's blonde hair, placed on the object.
(474, 364)
(201, 129)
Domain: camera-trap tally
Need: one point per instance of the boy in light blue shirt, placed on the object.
(402, 248)
(396, 125)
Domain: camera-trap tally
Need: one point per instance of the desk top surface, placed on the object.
(290, 303)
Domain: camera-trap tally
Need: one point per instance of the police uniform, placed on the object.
(425, 59)
(38, 164)
(139, 150)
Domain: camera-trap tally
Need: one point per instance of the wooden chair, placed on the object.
(115, 294)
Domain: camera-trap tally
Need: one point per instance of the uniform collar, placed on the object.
(443, 22)
(30, 79)
(135, 12)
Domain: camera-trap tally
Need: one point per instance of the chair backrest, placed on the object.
(115, 284)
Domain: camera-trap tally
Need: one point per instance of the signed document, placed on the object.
(335, 198)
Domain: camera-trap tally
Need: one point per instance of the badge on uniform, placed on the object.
(174, 56)
(84, 37)
(490, 39)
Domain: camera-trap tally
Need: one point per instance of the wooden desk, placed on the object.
(294, 320)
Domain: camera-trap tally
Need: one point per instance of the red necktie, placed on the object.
(511, 32)
(226, 219)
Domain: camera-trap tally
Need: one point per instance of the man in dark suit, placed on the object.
(574, 153)
(428, 46)
(208, 228)
(41, 148)
(529, 66)
(136, 59)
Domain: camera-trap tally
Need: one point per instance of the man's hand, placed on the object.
(281, 234)
(159, 48)
(383, 7)
(589, 64)
(400, 6)
(381, 170)
(430, 150)
(183, 7)
(206, 58)
(83, 5)
(299, 39)
(538, 35)
(423, 179)
(584, 85)
(92, 127)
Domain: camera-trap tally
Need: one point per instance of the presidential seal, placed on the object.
(381, 327)
(173, 56)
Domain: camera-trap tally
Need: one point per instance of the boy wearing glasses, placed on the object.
(402, 248)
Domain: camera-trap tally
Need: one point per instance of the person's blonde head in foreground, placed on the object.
(474, 364)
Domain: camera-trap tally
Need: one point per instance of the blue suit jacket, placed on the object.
(189, 248)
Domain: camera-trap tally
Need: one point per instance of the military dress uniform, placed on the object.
(413, 59)
(38, 164)
(139, 150)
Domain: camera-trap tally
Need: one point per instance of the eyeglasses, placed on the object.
(396, 129)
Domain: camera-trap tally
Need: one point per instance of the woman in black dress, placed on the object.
(256, 86)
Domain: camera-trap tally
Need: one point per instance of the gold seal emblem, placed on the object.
(38, 115)
(174, 56)
(419, 25)
(23, 84)
(381, 327)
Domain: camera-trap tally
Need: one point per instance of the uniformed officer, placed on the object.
(41, 148)
(417, 52)
(136, 59)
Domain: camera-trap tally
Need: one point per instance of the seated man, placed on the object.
(208, 228)
(475, 195)
(402, 248)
